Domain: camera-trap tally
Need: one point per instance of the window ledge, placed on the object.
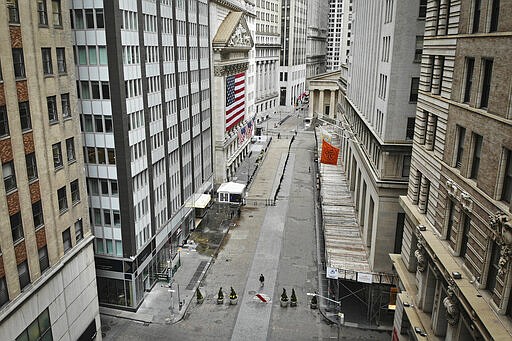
(15, 243)
(58, 168)
(49, 75)
(5, 137)
(70, 162)
(63, 73)
(40, 227)
(28, 130)
(62, 211)
(54, 122)
(75, 203)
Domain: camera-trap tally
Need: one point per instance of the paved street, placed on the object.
(278, 241)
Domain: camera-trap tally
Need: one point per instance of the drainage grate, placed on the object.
(195, 278)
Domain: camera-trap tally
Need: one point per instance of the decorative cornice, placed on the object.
(420, 252)
(451, 187)
(229, 69)
(451, 304)
(501, 226)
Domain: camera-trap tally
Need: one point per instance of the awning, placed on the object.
(199, 201)
(231, 187)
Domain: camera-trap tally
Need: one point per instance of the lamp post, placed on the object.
(341, 316)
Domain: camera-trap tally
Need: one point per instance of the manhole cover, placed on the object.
(252, 292)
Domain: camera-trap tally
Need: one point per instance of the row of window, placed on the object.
(42, 12)
(99, 155)
(90, 18)
(46, 53)
(105, 217)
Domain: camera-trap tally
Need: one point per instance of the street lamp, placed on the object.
(341, 316)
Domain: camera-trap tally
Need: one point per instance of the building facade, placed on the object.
(339, 33)
(232, 34)
(143, 72)
(454, 266)
(377, 116)
(267, 46)
(47, 275)
(292, 70)
(316, 45)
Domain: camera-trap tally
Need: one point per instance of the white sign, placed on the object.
(364, 277)
(332, 273)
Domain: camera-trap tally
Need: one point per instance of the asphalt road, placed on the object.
(296, 268)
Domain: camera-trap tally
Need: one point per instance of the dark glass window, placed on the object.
(47, 61)
(100, 22)
(486, 83)
(40, 329)
(409, 134)
(42, 13)
(470, 65)
(70, 149)
(506, 193)
(57, 13)
(9, 176)
(476, 16)
(57, 155)
(16, 227)
(63, 200)
(406, 165)
(451, 216)
(75, 192)
(461, 135)
(89, 18)
(66, 107)
(415, 84)
(495, 14)
(79, 230)
(61, 60)
(66, 239)
(466, 227)
(37, 214)
(105, 90)
(423, 9)
(30, 159)
(19, 63)
(13, 11)
(25, 120)
(23, 275)
(44, 262)
(53, 114)
(419, 49)
(494, 266)
(4, 294)
(4, 122)
(477, 151)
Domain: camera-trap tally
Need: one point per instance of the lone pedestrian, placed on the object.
(309, 169)
(262, 280)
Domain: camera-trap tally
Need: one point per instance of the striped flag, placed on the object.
(329, 154)
(249, 129)
(235, 99)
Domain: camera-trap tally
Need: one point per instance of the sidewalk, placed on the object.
(161, 305)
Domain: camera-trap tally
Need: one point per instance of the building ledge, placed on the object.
(417, 318)
(408, 279)
(498, 326)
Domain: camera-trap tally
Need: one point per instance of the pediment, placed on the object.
(233, 33)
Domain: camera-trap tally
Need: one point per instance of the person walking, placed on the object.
(262, 280)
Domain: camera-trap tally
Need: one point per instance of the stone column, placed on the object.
(424, 188)
(312, 103)
(430, 134)
(332, 104)
(321, 104)
(436, 89)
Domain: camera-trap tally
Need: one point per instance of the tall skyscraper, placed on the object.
(316, 48)
(233, 25)
(47, 275)
(378, 112)
(455, 263)
(143, 73)
(292, 70)
(339, 33)
(267, 46)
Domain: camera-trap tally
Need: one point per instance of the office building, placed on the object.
(339, 33)
(454, 266)
(316, 45)
(143, 70)
(47, 276)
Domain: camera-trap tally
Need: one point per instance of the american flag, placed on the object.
(248, 132)
(235, 99)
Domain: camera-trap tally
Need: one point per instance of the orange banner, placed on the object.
(329, 154)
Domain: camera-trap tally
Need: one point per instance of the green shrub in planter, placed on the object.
(293, 299)
(233, 294)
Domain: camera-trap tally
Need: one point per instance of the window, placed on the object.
(97, 216)
(66, 240)
(494, 266)
(51, 102)
(42, 13)
(25, 120)
(40, 329)
(75, 191)
(95, 90)
(506, 192)
(9, 176)
(66, 107)
(4, 294)
(57, 155)
(451, 216)
(419, 49)
(89, 18)
(100, 22)
(105, 90)
(30, 159)
(415, 84)
(470, 65)
(61, 60)
(459, 152)
(44, 263)
(486, 83)
(63, 200)
(406, 165)
(37, 214)
(47, 61)
(477, 150)
(476, 16)
(495, 13)
(423, 9)
(79, 230)
(107, 220)
(466, 226)
(23, 275)
(111, 157)
(113, 186)
(16, 227)
(57, 13)
(70, 149)
(19, 63)
(14, 13)
(409, 133)
(4, 122)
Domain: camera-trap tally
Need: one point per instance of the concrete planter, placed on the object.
(314, 305)
(284, 304)
(220, 301)
(233, 301)
(293, 303)
(200, 300)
